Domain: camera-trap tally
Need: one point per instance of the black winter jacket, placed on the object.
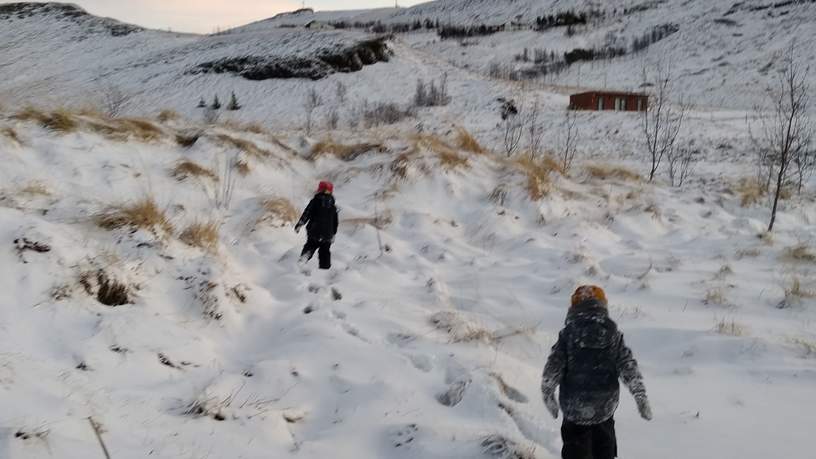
(320, 218)
(586, 362)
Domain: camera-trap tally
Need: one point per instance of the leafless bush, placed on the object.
(535, 132)
(340, 91)
(569, 138)
(681, 162)
(333, 119)
(312, 101)
(784, 146)
(432, 94)
(210, 116)
(662, 121)
(114, 100)
(512, 125)
(383, 113)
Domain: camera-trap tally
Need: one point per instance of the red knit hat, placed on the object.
(325, 186)
(588, 292)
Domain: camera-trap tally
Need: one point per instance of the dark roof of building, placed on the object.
(611, 93)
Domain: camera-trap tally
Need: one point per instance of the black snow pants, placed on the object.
(323, 249)
(589, 442)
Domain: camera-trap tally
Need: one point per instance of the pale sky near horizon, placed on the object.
(204, 16)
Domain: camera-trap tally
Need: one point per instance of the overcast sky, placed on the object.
(206, 15)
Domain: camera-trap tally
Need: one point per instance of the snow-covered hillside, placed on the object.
(426, 339)
(149, 283)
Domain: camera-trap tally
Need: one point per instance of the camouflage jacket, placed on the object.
(586, 362)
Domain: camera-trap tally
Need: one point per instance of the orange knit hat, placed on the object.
(588, 292)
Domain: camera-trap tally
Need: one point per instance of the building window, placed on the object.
(640, 104)
(600, 103)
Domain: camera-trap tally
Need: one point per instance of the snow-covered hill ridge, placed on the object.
(426, 340)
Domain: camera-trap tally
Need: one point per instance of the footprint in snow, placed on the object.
(404, 436)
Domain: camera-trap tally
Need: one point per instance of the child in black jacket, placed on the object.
(321, 220)
(586, 362)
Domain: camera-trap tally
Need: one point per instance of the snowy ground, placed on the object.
(448, 279)
(455, 291)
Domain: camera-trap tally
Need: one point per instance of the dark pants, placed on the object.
(589, 442)
(323, 249)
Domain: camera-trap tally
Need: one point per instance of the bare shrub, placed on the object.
(279, 211)
(680, 162)
(512, 126)
(144, 214)
(186, 168)
(203, 235)
(535, 131)
(310, 103)
(343, 152)
(662, 121)
(114, 100)
(383, 113)
(210, 116)
(432, 94)
(731, 327)
(340, 92)
(465, 141)
(784, 146)
(333, 119)
(607, 172)
(569, 137)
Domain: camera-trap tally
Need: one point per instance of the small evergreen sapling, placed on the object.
(233, 103)
(216, 104)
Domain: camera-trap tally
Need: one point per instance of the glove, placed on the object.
(644, 408)
(297, 228)
(551, 404)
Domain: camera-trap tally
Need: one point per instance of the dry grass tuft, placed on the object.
(448, 157)
(460, 330)
(279, 211)
(252, 128)
(800, 252)
(465, 141)
(124, 129)
(795, 292)
(715, 296)
(538, 174)
(343, 152)
(187, 139)
(807, 347)
(606, 172)
(187, 168)
(243, 145)
(203, 235)
(242, 167)
(168, 115)
(144, 214)
(58, 121)
(729, 327)
(749, 190)
(35, 189)
(10, 134)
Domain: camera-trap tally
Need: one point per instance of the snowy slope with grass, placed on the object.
(426, 340)
(148, 267)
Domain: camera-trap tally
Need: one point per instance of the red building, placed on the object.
(609, 100)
